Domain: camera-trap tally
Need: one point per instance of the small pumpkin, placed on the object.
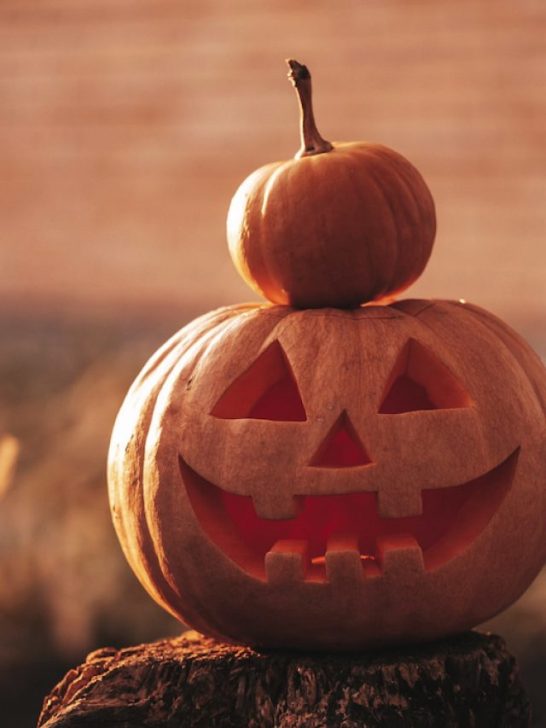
(338, 225)
(334, 478)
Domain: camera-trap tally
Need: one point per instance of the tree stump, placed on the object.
(468, 680)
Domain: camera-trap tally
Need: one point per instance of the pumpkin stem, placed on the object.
(311, 140)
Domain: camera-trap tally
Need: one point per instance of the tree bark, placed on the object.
(468, 680)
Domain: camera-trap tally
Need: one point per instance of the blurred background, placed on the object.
(125, 128)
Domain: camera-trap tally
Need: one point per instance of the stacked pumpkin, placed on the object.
(320, 473)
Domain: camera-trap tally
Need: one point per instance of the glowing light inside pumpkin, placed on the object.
(267, 390)
(342, 447)
(420, 381)
(451, 519)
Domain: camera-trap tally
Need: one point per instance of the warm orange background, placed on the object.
(125, 128)
(127, 125)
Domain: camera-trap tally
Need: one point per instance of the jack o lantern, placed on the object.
(334, 478)
(338, 225)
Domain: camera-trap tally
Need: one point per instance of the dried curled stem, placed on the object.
(311, 141)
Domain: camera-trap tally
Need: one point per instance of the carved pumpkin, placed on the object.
(339, 225)
(332, 478)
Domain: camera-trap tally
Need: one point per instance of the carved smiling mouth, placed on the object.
(343, 536)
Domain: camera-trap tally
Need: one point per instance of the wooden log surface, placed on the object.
(468, 680)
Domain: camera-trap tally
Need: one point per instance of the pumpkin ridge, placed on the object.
(494, 326)
(246, 256)
(203, 619)
(387, 284)
(428, 221)
(116, 480)
(470, 315)
(174, 340)
(403, 282)
(139, 548)
(253, 254)
(481, 441)
(199, 618)
(422, 220)
(271, 269)
(230, 328)
(353, 169)
(346, 169)
(406, 276)
(145, 560)
(401, 306)
(168, 351)
(405, 170)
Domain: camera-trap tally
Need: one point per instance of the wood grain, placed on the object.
(469, 680)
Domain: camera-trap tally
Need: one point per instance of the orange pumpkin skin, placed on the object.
(241, 512)
(340, 228)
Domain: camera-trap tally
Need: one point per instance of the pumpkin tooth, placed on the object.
(287, 562)
(400, 557)
(343, 562)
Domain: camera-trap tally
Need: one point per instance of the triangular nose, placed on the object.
(341, 447)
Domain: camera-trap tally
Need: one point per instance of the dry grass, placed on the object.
(64, 584)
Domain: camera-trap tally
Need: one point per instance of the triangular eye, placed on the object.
(420, 381)
(267, 390)
(341, 447)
